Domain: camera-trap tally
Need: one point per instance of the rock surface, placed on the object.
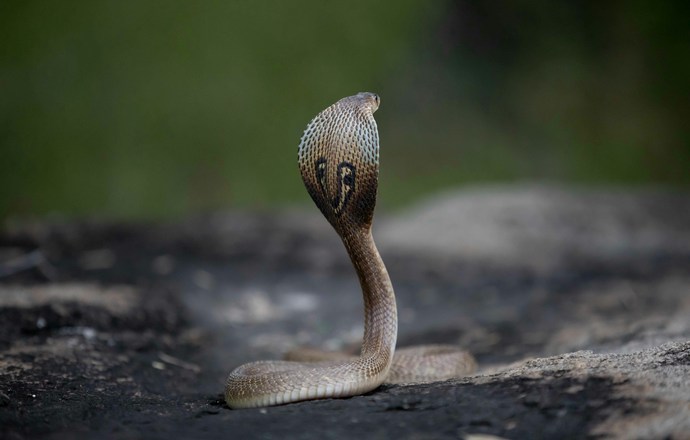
(576, 304)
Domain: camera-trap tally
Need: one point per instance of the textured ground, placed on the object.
(575, 303)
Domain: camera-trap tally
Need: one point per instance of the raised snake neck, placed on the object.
(339, 162)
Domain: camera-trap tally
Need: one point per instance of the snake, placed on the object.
(338, 158)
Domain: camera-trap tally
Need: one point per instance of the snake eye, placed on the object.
(376, 101)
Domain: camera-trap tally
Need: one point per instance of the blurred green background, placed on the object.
(158, 109)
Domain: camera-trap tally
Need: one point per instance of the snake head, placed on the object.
(339, 161)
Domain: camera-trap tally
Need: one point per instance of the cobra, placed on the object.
(339, 161)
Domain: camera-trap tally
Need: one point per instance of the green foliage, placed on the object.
(134, 109)
(159, 108)
(588, 93)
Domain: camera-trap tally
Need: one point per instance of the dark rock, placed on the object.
(575, 304)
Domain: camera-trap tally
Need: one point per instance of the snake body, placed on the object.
(339, 161)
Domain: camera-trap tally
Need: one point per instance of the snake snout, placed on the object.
(372, 99)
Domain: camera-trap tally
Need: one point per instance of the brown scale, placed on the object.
(338, 159)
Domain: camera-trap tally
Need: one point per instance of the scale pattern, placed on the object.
(338, 158)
